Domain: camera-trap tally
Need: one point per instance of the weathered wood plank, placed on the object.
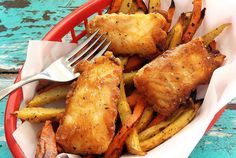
(21, 21)
(5, 80)
(220, 141)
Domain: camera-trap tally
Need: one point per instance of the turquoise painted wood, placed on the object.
(23, 20)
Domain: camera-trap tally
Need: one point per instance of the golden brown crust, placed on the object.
(168, 80)
(131, 34)
(89, 122)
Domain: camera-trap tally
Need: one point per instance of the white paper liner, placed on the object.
(221, 90)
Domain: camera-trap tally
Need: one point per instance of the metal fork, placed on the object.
(62, 70)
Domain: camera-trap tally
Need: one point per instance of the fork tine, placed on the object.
(76, 50)
(100, 53)
(84, 52)
(94, 50)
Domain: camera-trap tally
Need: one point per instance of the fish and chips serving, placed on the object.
(136, 96)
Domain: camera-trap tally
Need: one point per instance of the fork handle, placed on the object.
(8, 90)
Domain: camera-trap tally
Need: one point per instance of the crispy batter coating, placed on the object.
(89, 122)
(168, 80)
(139, 34)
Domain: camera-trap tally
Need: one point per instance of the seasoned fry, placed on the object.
(159, 118)
(132, 141)
(46, 147)
(172, 129)
(178, 32)
(123, 106)
(134, 7)
(145, 119)
(132, 99)
(209, 37)
(142, 5)
(170, 14)
(128, 77)
(126, 6)
(175, 34)
(188, 16)
(52, 95)
(154, 6)
(115, 148)
(115, 6)
(38, 115)
(152, 131)
(133, 144)
(193, 25)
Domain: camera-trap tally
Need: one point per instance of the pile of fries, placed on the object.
(140, 128)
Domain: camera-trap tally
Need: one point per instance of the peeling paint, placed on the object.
(15, 4)
(219, 134)
(208, 142)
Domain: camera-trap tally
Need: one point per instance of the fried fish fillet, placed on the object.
(140, 34)
(89, 122)
(169, 79)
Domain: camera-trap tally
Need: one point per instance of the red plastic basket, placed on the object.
(65, 26)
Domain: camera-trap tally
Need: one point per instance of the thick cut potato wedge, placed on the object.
(126, 6)
(145, 119)
(172, 129)
(152, 131)
(154, 6)
(38, 115)
(132, 141)
(49, 96)
(209, 37)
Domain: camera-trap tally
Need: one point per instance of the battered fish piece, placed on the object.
(140, 34)
(168, 80)
(89, 122)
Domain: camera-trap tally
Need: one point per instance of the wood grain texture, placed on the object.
(23, 20)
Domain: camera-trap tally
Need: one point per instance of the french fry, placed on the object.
(52, 95)
(172, 129)
(178, 32)
(188, 16)
(141, 5)
(154, 6)
(128, 77)
(46, 147)
(115, 6)
(159, 118)
(132, 141)
(133, 144)
(170, 14)
(209, 37)
(115, 147)
(126, 6)
(134, 7)
(132, 99)
(175, 34)
(38, 115)
(123, 106)
(133, 63)
(193, 25)
(145, 119)
(152, 131)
